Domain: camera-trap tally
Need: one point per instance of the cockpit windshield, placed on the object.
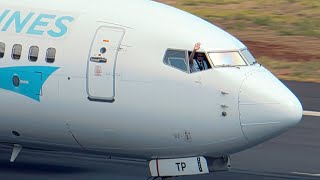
(227, 59)
(246, 53)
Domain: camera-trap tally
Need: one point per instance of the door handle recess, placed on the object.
(98, 59)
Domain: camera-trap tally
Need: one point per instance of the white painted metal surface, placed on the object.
(158, 112)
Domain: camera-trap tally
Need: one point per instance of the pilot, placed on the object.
(199, 63)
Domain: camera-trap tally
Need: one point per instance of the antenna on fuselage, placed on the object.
(15, 152)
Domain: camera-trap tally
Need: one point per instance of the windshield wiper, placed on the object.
(226, 65)
(256, 62)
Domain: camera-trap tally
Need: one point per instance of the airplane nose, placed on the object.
(267, 107)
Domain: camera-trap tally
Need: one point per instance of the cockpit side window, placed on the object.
(249, 56)
(176, 59)
(200, 62)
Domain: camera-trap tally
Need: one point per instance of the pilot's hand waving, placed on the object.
(197, 46)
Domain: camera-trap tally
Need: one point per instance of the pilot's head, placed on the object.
(200, 57)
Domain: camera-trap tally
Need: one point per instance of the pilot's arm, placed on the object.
(195, 49)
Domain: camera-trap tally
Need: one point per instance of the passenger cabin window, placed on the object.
(33, 53)
(226, 59)
(51, 55)
(176, 59)
(2, 49)
(16, 52)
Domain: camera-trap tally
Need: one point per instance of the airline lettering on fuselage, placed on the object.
(32, 23)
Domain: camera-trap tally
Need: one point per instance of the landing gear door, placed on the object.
(102, 63)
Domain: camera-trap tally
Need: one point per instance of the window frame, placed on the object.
(54, 57)
(29, 55)
(187, 59)
(228, 51)
(13, 50)
(245, 58)
(4, 50)
(208, 60)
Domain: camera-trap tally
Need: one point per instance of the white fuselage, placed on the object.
(133, 105)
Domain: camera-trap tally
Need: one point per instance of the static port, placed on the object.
(15, 133)
(224, 114)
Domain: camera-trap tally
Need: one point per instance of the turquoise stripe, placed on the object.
(30, 79)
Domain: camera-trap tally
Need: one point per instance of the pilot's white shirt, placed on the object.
(195, 66)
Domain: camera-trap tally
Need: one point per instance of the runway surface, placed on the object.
(308, 94)
(293, 155)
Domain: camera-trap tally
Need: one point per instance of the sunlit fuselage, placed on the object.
(158, 111)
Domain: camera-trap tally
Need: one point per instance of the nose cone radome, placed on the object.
(267, 107)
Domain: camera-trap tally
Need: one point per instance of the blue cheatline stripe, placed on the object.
(25, 80)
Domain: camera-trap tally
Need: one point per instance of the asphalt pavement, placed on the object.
(293, 155)
(307, 93)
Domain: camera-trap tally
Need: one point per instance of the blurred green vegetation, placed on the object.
(286, 17)
(283, 25)
(299, 71)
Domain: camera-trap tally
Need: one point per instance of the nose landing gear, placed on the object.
(169, 169)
